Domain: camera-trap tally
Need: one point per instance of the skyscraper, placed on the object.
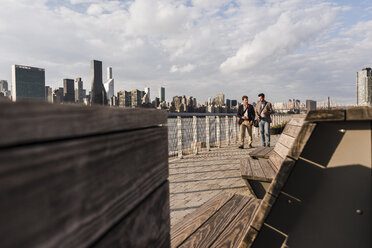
(147, 91)
(3, 85)
(124, 98)
(136, 96)
(219, 100)
(310, 105)
(162, 94)
(79, 93)
(68, 90)
(48, 94)
(109, 85)
(364, 87)
(28, 83)
(98, 95)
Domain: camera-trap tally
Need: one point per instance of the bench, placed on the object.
(320, 196)
(259, 173)
(78, 176)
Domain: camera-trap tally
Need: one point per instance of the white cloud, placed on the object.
(287, 49)
(186, 68)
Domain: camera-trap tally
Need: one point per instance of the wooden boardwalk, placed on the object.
(197, 178)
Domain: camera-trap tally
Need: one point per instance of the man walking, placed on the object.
(263, 112)
(246, 117)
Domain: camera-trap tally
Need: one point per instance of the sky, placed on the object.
(302, 49)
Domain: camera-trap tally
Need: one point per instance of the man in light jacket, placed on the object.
(263, 112)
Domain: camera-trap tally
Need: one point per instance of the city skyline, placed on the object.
(286, 49)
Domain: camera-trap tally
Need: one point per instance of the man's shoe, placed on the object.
(268, 145)
(250, 146)
(241, 147)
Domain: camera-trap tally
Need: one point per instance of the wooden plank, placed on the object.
(256, 151)
(301, 140)
(68, 193)
(326, 115)
(286, 140)
(291, 130)
(212, 229)
(147, 226)
(267, 169)
(256, 171)
(276, 160)
(296, 121)
(245, 167)
(356, 114)
(187, 226)
(264, 153)
(281, 150)
(41, 121)
(234, 234)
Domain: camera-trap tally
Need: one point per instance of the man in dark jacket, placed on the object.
(246, 116)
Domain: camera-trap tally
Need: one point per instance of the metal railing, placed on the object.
(190, 133)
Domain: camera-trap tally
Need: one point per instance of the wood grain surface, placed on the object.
(33, 122)
(68, 193)
(147, 226)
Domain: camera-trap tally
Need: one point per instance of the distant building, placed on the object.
(98, 92)
(48, 94)
(124, 98)
(228, 103)
(219, 100)
(234, 103)
(364, 87)
(162, 94)
(310, 105)
(58, 95)
(136, 96)
(4, 88)
(109, 85)
(68, 90)
(79, 91)
(147, 92)
(28, 83)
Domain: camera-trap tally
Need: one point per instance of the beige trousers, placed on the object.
(243, 126)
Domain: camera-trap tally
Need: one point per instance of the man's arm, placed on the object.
(269, 109)
(239, 114)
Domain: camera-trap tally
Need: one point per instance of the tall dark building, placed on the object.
(79, 93)
(98, 95)
(234, 103)
(162, 94)
(28, 83)
(68, 90)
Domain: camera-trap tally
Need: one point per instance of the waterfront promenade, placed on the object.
(197, 178)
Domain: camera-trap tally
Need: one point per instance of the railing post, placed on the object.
(207, 133)
(218, 132)
(179, 136)
(234, 129)
(227, 130)
(195, 134)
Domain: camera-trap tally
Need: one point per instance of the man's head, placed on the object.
(245, 100)
(261, 97)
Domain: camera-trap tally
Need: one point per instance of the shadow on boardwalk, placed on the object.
(197, 178)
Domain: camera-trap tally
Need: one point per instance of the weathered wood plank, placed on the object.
(264, 153)
(286, 140)
(234, 234)
(267, 169)
(297, 121)
(41, 121)
(256, 171)
(211, 230)
(184, 228)
(356, 114)
(326, 115)
(291, 130)
(281, 150)
(147, 226)
(301, 140)
(276, 160)
(68, 193)
(256, 151)
(245, 167)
